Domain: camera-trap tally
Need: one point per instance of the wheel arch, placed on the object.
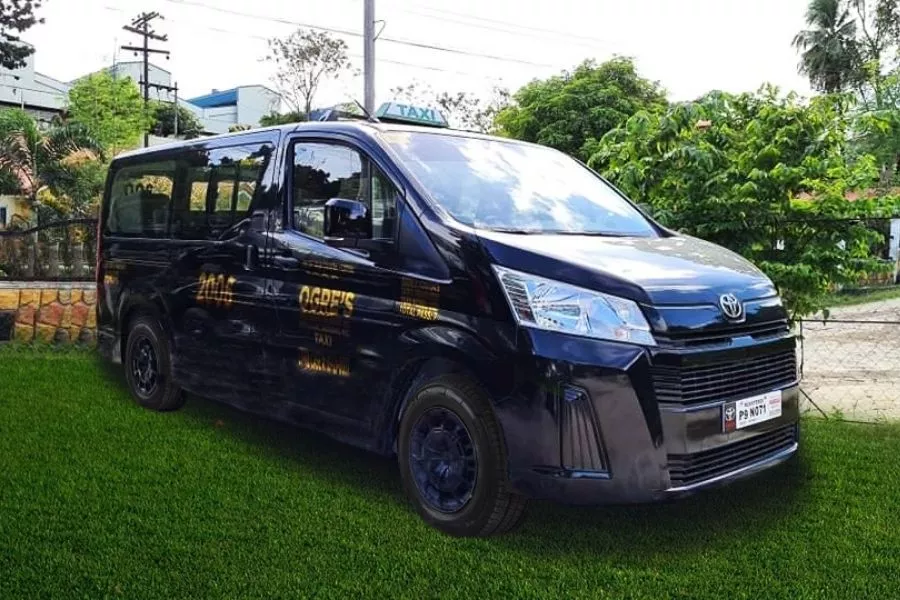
(467, 355)
(133, 307)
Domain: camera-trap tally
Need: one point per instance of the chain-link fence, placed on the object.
(851, 361)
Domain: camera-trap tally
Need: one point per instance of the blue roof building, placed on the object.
(245, 105)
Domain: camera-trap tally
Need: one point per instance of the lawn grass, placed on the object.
(852, 297)
(100, 498)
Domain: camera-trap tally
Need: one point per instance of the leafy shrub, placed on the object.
(762, 174)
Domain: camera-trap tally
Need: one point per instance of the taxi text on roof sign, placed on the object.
(395, 111)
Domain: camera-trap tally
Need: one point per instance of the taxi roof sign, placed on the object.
(406, 113)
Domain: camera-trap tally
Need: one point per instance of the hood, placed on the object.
(679, 270)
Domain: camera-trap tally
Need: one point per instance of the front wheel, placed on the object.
(453, 460)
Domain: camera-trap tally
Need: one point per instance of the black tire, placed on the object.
(147, 348)
(490, 506)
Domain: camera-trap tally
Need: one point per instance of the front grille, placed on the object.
(691, 338)
(725, 380)
(689, 469)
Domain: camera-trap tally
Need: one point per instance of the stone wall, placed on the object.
(48, 312)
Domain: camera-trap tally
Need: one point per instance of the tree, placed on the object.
(302, 60)
(572, 111)
(11, 120)
(877, 129)
(851, 44)
(854, 46)
(762, 174)
(878, 85)
(189, 125)
(463, 110)
(48, 161)
(276, 118)
(111, 108)
(77, 186)
(15, 17)
(829, 53)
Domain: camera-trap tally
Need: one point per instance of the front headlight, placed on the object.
(547, 304)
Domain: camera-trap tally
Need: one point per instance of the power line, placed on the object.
(504, 24)
(411, 43)
(510, 28)
(194, 26)
(428, 68)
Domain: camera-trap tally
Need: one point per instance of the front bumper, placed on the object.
(586, 427)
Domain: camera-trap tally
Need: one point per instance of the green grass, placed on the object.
(863, 296)
(100, 498)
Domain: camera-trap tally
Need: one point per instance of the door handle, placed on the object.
(251, 257)
(286, 261)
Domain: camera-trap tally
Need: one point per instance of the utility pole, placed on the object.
(175, 129)
(141, 26)
(369, 55)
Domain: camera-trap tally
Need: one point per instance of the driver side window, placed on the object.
(322, 171)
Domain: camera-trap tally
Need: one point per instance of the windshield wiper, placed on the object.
(594, 233)
(511, 230)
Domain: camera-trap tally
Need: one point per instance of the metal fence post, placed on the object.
(78, 260)
(53, 260)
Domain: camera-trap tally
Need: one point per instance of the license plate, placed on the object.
(750, 411)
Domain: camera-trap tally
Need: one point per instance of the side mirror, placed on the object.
(347, 219)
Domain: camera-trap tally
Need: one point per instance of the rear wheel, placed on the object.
(148, 367)
(453, 460)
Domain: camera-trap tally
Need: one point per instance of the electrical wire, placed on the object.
(411, 43)
(379, 59)
(504, 27)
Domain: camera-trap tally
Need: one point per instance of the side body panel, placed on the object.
(209, 294)
(356, 327)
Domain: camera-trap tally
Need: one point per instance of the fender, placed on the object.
(132, 302)
(432, 351)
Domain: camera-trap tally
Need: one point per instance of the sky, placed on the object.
(689, 46)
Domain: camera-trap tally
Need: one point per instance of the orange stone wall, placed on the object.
(52, 313)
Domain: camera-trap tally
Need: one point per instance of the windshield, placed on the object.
(508, 186)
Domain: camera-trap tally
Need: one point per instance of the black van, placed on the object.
(492, 312)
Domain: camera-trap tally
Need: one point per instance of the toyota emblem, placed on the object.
(731, 307)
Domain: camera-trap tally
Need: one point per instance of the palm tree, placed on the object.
(828, 48)
(35, 160)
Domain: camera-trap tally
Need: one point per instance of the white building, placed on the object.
(44, 97)
(40, 95)
(157, 75)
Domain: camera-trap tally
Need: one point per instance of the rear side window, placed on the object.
(220, 186)
(140, 200)
(198, 195)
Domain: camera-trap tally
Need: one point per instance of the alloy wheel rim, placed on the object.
(443, 460)
(145, 368)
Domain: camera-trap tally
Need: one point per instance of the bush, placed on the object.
(762, 174)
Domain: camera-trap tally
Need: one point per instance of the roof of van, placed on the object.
(336, 126)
